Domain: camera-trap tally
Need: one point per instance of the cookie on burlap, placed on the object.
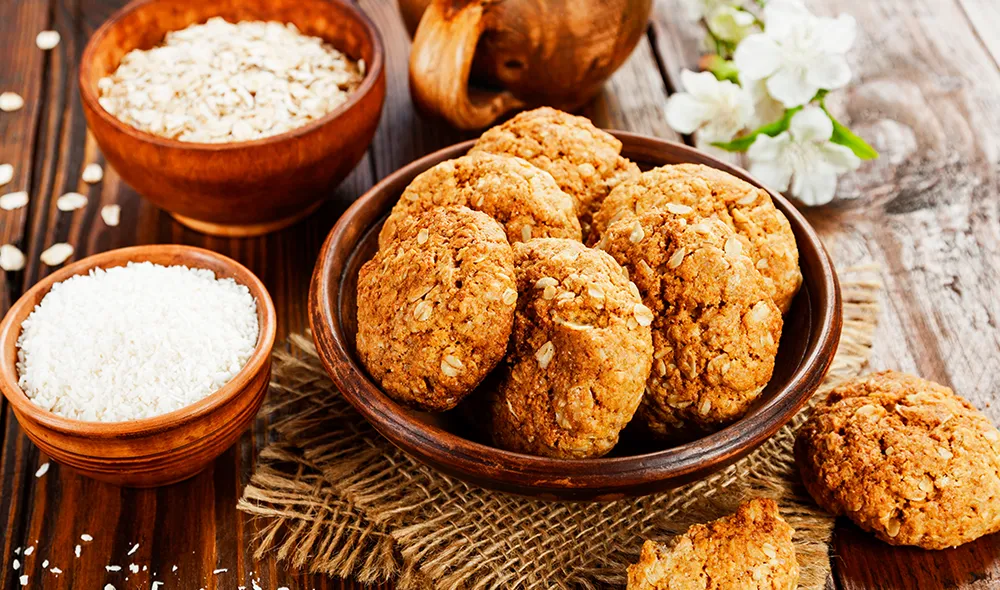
(435, 307)
(581, 353)
(524, 199)
(751, 549)
(904, 458)
(715, 328)
(694, 190)
(585, 161)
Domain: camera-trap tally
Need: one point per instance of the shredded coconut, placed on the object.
(42, 470)
(86, 537)
(133, 549)
(135, 341)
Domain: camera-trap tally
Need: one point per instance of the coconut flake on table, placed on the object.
(11, 258)
(111, 214)
(92, 174)
(14, 200)
(6, 173)
(71, 202)
(135, 341)
(56, 254)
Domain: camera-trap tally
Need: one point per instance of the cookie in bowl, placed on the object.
(436, 306)
(584, 160)
(715, 327)
(580, 353)
(524, 199)
(697, 190)
(904, 458)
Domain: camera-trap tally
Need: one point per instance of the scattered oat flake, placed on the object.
(6, 173)
(134, 568)
(16, 564)
(133, 549)
(56, 571)
(76, 551)
(156, 585)
(45, 563)
(109, 587)
(17, 551)
(24, 580)
(10, 102)
(111, 214)
(56, 254)
(47, 40)
(92, 174)
(220, 570)
(11, 258)
(86, 537)
(71, 202)
(29, 550)
(113, 568)
(12, 201)
(42, 470)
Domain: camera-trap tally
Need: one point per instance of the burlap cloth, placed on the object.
(334, 497)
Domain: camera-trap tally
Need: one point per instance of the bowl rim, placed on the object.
(615, 474)
(373, 73)
(258, 360)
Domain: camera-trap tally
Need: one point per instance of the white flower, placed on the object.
(699, 9)
(730, 24)
(805, 153)
(720, 109)
(797, 54)
(765, 108)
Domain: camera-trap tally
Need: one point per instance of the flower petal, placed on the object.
(790, 85)
(768, 162)
(766, 147)
(757, 57)
(811, 124)
(815, 184)
(783, 17)
(840, 157)
(702, 85)
(828, 71)
(685, 113)
(775, 175)
(837, 34)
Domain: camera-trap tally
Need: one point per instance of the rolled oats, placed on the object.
(222, 82)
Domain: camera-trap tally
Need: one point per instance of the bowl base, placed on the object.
(245, 231)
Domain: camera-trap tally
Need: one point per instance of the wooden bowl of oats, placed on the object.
(235, 126)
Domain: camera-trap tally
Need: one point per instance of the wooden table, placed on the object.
(925, 93)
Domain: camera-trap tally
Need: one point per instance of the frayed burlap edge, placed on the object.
(334, 497)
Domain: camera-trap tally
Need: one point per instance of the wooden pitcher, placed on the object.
(516, 53)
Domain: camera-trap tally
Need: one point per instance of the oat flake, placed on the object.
(92, 174)
(11, 258)
(56, 254)
(71, 202)
(6, 173)
(47, 40)
(12, 201)
(10, 102)
(111, 214)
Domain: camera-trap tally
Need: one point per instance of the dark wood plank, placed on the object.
(924, 94)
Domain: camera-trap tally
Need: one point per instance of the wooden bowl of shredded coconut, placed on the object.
(139, 366)
(236, 116)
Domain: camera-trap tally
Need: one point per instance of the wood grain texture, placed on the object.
(925, 94)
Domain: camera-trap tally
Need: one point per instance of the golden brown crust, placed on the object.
(435, 307)
(524, 199)
(751, 549)
(716, 329)
(714, 193)
(579, 358)
(585, 161)
(904, 458)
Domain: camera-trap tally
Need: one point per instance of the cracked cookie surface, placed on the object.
(585, 161)
(580, 353)
(709, 192)
(525, 200)
(904, 458)
(715, 328)
(435, 307)
(751, 549)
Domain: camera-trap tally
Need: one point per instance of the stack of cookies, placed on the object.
(596, 295)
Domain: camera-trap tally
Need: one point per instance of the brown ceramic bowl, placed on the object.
(150, 451)
(636, 466)
(241, 188)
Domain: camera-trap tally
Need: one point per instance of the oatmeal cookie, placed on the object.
(435, 308)
(581, 353)
(716, 329)
(694, 190)
(904, 458)
(751, 549)
(525, 200)
(585, 161)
